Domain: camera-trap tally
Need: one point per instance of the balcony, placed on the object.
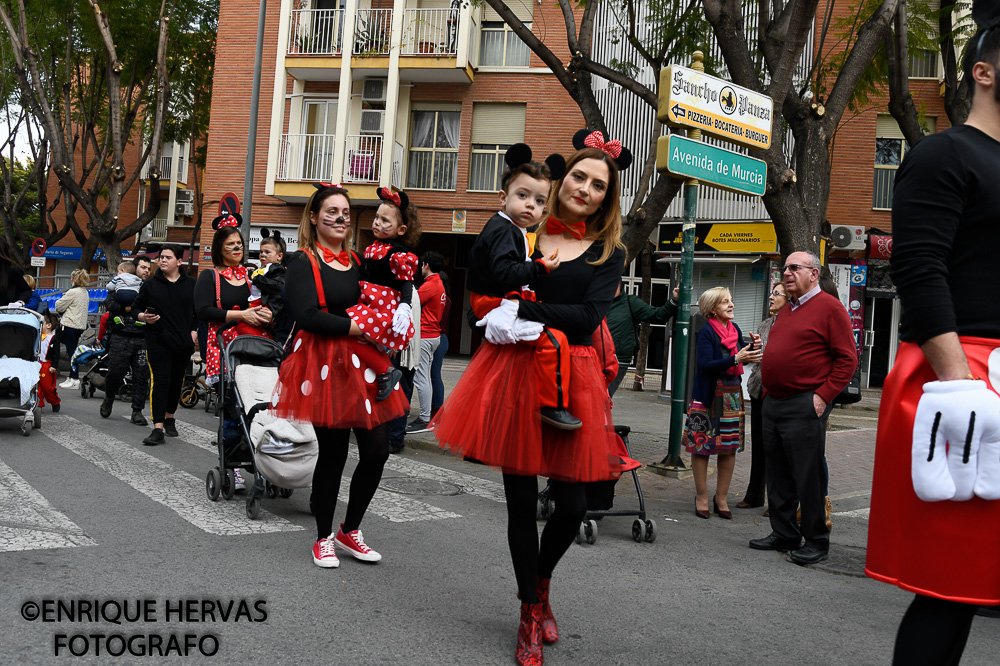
(363, 158)
(306, 157)
(316, 32)
(165, 163)
(155, 230)
(430, 32)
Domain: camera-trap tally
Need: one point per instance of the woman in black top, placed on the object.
(493, 413)
(324, 382)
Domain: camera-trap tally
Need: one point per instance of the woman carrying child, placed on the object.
(492, 415)
(322, 380)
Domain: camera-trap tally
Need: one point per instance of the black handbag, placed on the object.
(852, 392)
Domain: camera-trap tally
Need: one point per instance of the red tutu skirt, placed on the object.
(493, 416)
(373, 315)
(324, 383)
(949, 550)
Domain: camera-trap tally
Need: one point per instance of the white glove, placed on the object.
(964, 413)
(401, 319)
(525, 329)
(499, 323)
(16, 304)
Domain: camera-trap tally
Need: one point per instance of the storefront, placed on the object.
(882, 312)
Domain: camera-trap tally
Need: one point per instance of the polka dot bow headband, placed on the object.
(227, 219)
(614, 149)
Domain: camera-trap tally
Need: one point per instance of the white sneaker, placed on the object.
(240, 483)
(324, 555)
(70, 384)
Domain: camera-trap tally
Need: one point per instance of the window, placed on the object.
(433, 160)
(890, 147)
(495, 127)
(500, 47)
(923, 64)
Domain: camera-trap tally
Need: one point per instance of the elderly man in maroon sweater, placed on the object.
(809, 359)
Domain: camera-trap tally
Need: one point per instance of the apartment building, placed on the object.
(425, 95)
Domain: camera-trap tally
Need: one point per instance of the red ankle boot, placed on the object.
(550, 632)
(529, 636)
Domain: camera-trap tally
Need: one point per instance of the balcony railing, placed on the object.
(362, 159)
(165, 163)
(316, 32)
(398, 155)
(156, 230)
(306, 157)
(430, 32)
(372, 28)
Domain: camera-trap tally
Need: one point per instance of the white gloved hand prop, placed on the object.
(499, 323)
(965, 414)
(401, 319)
(525, 329)
(16, 304)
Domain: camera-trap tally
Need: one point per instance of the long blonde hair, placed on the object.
(307, 231)
(605, 224)
(80, 278)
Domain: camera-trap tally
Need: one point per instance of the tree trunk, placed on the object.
(646, 293)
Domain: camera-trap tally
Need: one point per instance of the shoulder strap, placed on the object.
(357, 260)
(218, 288)
(320, 294)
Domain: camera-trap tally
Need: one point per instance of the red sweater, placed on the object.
(431, 306)
(810, 349)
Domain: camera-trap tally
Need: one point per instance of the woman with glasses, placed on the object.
(756, 489)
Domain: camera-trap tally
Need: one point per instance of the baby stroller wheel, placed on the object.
(229, 484)
(253, 508)
(650, 531)
(590, 531)
(638, 530)
(285, 492)
(271, 490)
(37, 418)
(85, 390)
(213, 484)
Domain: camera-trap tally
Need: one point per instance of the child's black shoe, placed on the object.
(387, 382)
(559, 417)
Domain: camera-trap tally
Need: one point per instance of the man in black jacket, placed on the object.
(126, 349)
(166, 306)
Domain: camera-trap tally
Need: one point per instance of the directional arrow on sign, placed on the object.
(678, 111)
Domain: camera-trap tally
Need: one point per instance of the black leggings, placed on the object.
(532, 561)
(373, 450)
(933, 632)
(166, 375)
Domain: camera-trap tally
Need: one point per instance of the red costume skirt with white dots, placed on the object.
(492, 415)
(324, 383)
(373, 315)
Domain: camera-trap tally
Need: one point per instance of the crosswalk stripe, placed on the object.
(29, 522)
(173, 488)
(394, 507)
(471, 485)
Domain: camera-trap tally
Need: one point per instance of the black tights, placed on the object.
(373, 450)
(532, 561)
(933, 632)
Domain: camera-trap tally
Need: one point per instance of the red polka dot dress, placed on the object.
(388, 269)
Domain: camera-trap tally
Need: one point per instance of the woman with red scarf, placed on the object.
(715, 421)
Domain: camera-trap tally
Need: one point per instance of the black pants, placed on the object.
(373, 451)
(70, 337)
(124, 352)
(397, 427)
(166, 375)
(794, 446)
(533, 560)
(756, 490)
(933, 633)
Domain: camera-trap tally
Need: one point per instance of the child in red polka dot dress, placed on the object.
(388, 267)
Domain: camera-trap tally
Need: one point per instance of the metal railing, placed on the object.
(430, 32)
(362, 159)
(372, 28)
(156, 230)
(885, 179)
(398, 155)
(165, 162)
(306, 157)
(316, 32)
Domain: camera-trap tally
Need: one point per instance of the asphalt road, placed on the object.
(88, 513)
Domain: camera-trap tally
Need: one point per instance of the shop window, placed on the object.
(433, 160)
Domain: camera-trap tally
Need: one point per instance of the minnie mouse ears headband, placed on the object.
(520, 153)
(396, 197)
(227, 219)
(618, 153)
(986, 14)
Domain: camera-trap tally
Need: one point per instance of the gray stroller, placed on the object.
(20, 366)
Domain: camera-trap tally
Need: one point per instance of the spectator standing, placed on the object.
(143, 267)
(437, 383)
(432, 299)
(72, 307)
(126, 343)
(756, 490)
(809, 360)
(166, 306)
(626, 313)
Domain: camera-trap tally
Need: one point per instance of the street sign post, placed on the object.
(715, 166)
(691, 98)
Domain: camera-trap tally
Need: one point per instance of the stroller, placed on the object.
(600, 500)
(281, 455)
(95, 376)
(20, 366)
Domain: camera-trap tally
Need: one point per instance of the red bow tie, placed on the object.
(235, 273)
(555, 226)
(342, 256)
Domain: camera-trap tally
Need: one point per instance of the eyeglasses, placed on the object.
(777, 294)
(233, 246)
(795, 267)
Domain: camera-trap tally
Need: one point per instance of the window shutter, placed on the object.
(522, 9)
(886, 127)
(494, 123)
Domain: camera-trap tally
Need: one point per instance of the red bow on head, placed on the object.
(555, 226)
(329, 255)
(332, 185)
(386, 193)
(234, 272)
(228, 222)
(611, 148)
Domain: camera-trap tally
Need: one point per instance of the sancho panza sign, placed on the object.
(716, 106)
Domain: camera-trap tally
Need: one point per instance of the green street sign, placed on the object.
(683, 157)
